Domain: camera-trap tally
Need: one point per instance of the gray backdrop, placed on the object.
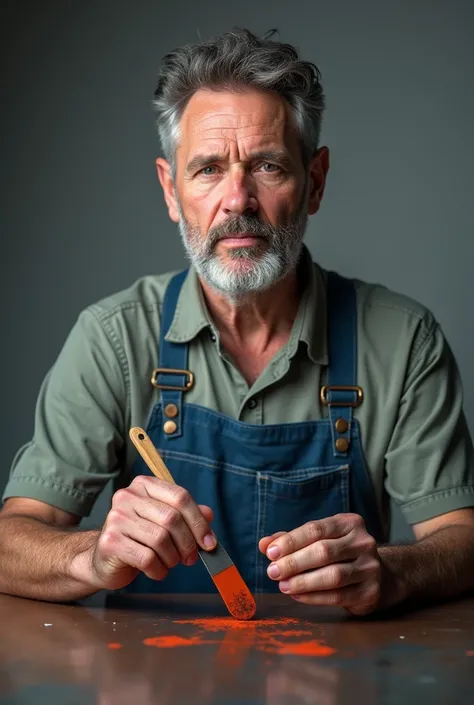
(82, 210)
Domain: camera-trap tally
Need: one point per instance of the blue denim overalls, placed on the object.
(261, 479)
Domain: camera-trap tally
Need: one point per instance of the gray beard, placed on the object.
(260, 266)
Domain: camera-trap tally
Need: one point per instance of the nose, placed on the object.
(238, 197)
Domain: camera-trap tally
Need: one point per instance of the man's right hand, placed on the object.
(152, 526)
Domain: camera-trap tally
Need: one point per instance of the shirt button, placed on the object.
(252, 403)
(213, 337)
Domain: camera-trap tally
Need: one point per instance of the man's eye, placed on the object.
(208, 171)
(270, 168)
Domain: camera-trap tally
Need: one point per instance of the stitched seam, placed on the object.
(52, 485)
(236, 436)
(202, 461)
(258, 533)
(105, 314)
(392, 307)
(120, 354)
(329, 475)
(264, 521)
(422, 346)
(450, 492)
(180, 455)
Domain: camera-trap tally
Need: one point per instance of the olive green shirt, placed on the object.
(414, 434)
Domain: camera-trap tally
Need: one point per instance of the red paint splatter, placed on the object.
(273, 636)
(172, 641)
(305, 648)
(114, 645)
(221, 624)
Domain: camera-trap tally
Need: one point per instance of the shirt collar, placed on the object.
(191, 314)
(310, 322)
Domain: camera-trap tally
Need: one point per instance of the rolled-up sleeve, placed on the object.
(430, 459)
(79, 423)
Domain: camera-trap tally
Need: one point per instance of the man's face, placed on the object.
(240, 190)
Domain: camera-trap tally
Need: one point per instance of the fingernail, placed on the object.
(284, 585)
(273, 553)
(296, 597)
(273, 570)
(191, 560)
(209, 541)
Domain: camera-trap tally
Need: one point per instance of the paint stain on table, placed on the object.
(172, 641)
(285, 635)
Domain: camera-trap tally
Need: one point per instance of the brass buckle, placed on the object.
(167, 370)
(341, 388)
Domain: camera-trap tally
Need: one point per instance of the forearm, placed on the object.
(40, 561)
(436, 567)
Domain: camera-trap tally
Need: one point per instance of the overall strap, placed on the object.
(173, 357)
(341, 393)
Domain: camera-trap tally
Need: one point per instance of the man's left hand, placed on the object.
(332, 561)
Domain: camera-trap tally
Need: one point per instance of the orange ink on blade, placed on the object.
(114, 645)
(235, 593)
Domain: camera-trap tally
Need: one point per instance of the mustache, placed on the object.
(238, 225)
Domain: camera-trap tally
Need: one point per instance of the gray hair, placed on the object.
(235, 60)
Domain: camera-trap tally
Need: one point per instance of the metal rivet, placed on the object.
(171, 410)
(169, 427)
(341, 425)
(342, 444)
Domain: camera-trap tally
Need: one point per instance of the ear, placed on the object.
(318, 169)
(163, 169)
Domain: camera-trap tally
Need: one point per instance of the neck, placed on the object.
(257, 320)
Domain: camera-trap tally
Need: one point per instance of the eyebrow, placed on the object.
(200, 161)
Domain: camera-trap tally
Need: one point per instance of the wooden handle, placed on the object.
(149, 454)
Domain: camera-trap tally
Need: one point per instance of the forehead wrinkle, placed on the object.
(223, 140)
(239, 121)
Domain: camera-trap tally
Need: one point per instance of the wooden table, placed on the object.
(185, 650)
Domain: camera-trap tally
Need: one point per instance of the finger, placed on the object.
(152, 535)
(182, 517)
(315, 555)
(329, 528)
(365, 570)
(171, 521)
(358, 599)
(123, 550)
(265, 541)
(206, 511)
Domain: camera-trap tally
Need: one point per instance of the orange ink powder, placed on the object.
(114, 645)
(172, 641)
(305, 648)
(469, 653)
(235, 593)
(267, 635)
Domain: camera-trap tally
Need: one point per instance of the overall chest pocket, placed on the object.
(286, 502)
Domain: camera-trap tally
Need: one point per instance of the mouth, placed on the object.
(241, 239)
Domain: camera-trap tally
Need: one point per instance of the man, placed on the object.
(288, 403)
